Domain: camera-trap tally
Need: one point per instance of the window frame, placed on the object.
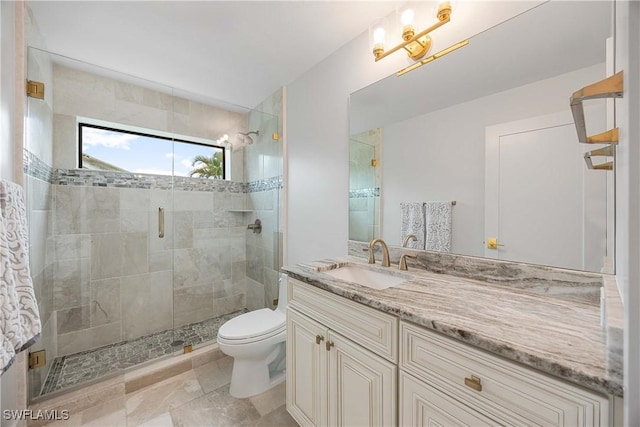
(82, 124)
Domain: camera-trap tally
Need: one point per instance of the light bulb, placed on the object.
(378, 35)
(407, 17)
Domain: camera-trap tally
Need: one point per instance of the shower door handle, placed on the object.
(161, 222)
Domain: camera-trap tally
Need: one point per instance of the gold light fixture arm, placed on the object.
(379, 54)
(432, 57)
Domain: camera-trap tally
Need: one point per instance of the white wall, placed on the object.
(449, 158)
(628, 198)
(318, 131)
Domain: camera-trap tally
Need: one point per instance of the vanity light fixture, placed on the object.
(417, 45)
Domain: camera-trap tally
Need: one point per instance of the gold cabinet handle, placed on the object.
(319, 338)
(473, 382)
(328, 345)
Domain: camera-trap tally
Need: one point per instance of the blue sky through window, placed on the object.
(142, 154)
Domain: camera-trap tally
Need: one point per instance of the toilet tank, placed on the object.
(282, 293)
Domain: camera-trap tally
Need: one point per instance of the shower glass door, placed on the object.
(364, 187)
(99, 176)
(140, 200)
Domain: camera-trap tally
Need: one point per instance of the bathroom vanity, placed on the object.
(438, 349)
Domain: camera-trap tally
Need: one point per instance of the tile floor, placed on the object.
(198, 397)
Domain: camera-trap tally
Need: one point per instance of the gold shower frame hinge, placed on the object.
(35, 89)
(37, 359)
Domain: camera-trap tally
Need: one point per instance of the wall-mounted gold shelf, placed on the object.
(611, 87)
(608, 151)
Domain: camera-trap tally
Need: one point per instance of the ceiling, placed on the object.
(233, 51)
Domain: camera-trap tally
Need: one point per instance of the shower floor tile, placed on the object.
(78, 368)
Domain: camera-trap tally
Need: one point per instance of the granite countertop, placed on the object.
(563, 338)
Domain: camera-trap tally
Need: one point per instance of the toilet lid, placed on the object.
(253, 324)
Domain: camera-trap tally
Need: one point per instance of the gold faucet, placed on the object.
(402, 265)
(405, 242)
(385, 252)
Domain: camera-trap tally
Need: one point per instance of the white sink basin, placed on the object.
(365, 277)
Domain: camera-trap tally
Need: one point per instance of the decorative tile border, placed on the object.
(273, 183)
(364, 193)
(94, 178)
(33, 166)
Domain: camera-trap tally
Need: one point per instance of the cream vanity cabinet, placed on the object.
(445, 382)
(344, 368)
(341, 360)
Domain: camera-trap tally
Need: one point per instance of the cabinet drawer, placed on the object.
(510, 393)
(375, 331)
(422, 405)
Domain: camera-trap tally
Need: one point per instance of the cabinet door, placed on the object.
(306, 370)
(362, 385)
(424, 406)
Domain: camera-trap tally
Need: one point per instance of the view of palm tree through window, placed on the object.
(104, 148)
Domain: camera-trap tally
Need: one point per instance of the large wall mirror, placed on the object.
(483, 141)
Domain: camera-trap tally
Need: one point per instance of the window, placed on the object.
(110, 149)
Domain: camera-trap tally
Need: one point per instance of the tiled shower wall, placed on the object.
(115, 279)
(112, 278)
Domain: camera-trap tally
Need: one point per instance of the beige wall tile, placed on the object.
(105, 301)
(71, 283)
(192, 304)
(72, 246)
(102, 210)
(147, 304)
(86, 339)
(69, 209)
(229, 304)
(255, 295)
(73, 319)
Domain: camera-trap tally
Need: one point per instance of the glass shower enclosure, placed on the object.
(139, 199)
(364, 185)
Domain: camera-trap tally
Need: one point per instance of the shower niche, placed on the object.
(139, 198)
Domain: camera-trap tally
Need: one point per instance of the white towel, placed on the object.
(413, 222)
(438, 219)
(19, 317)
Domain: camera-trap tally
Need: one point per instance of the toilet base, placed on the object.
(250, 377)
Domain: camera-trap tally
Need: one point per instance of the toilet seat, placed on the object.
(253, 326)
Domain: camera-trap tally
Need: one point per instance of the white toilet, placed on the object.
(256, 341)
